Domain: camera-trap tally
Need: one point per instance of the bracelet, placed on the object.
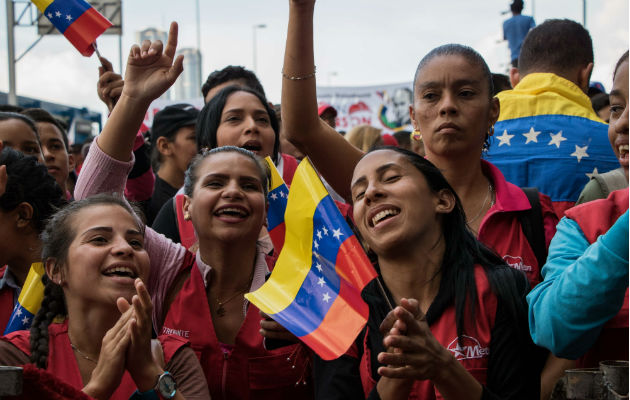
(299, 77)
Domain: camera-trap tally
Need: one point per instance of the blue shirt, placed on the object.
(514, 31)
(8, 280)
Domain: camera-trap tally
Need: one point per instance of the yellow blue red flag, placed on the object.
(29, 301)
(315, 288)
(77, 20)
(277, 200)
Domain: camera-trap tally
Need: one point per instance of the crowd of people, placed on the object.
(487, 287)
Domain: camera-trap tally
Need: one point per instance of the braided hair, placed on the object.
(57, 237)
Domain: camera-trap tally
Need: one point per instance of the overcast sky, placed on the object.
(357, 42)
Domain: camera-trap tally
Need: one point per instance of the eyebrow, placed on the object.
(379, 170)
(615, 92)
(459, 82)
(109, 229)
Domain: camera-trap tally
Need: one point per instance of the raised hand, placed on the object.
(110, 84)
(152, 68)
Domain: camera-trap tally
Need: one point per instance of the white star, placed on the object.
(557, 139)
(325, 231)
(25, 320)
(321, 282)
(319, 234)
(319, 267)
(505, 138)
(580, 152)
(57, 14)
(316, 244)
(18, 312)
(532, 135)
(282, 194)
(69, 17)
(49, 15)
(595, 172)
(326, 297)
(274, 196)
(337, 233)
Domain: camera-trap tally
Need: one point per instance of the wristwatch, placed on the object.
(166, 386)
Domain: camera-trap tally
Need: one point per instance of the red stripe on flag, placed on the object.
(353, 265)
(84, 31)
(347, 314)
(277, 236)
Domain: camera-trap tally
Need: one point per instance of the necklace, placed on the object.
(483, 206)
(82, 354)
(221, 309)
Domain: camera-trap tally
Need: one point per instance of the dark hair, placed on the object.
(10, 108)
(56, 240)
(557, 45)
(191, 173)
(41, 115)
(500, 82)
(28, 181)
(232, 73)
(599, 101)
(624, 58)
(8, 115)
(470, 55)
(210, 119)
(462, 252)
(403, 138)
(517, 6)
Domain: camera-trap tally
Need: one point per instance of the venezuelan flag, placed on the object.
(549, 137)
(277, 199)
(315, 288)
(29, 302)
(78, 21)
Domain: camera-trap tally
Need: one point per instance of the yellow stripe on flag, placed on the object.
(42, 5)
(295, 259)
(276, 179)
(32, 292)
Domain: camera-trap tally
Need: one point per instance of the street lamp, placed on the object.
(254, 28)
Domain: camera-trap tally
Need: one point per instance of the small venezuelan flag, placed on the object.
(315, 288)
(29, 302)
(77, 20)
(277, 200)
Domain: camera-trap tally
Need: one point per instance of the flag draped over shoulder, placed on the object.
(315, 288)
(277, 199)
(77, 20)
(29, 302)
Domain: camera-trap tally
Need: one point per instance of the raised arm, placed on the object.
(332, 155)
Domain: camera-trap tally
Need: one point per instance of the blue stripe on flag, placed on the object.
(277, 205)
(63, 13)
(21, 319)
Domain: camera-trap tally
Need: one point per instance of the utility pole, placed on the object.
(11, 50)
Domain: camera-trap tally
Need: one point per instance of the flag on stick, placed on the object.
(315, 288)
(277, 199)
(30, 300)
(77, 20)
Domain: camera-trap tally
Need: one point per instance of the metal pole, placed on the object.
(120, 58)
(199, 42)
(11, 52)
(584, 13)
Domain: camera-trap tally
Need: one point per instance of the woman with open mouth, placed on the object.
(200, 297)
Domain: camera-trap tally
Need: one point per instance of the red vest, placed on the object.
(6, 303)
(473, 352)
(595, 218)
(63, 364)
(249, 371)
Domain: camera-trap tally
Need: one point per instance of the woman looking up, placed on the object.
(454, 111)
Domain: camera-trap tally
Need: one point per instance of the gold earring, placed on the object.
(186, 216)
(416, 135)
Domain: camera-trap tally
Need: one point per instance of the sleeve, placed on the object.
(11, 355)
(165, 222)
(584, 286)
(337, 379)
(592, 191)
(550, 218)
(188, 374)
(139, 186)
(101, 174)
(510, 341)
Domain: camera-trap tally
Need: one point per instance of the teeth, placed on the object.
(232, 211)
(623, 149)
(123, 270)
(381, 215)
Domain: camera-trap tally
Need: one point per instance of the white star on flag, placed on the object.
(25, 320)
(18, 312)
(319, 235)
(326, 297)
(580, 152)
(49, 15)
(69, 17)
(595, 172)
(325, 231)
(316, 244)
(282, 194)
(321, 282)
(556, 139)
(57, 14)
(319, 267)
(274, 196)
(505, 138)
(337, 233)
(532, 135)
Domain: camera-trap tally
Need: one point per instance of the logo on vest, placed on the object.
(469, 348)
(517, 263)
(177, 332)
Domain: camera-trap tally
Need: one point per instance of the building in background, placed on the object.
(188, 85)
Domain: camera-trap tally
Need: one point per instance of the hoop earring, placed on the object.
(416, 135)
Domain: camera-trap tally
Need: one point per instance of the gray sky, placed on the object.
(357, 42)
